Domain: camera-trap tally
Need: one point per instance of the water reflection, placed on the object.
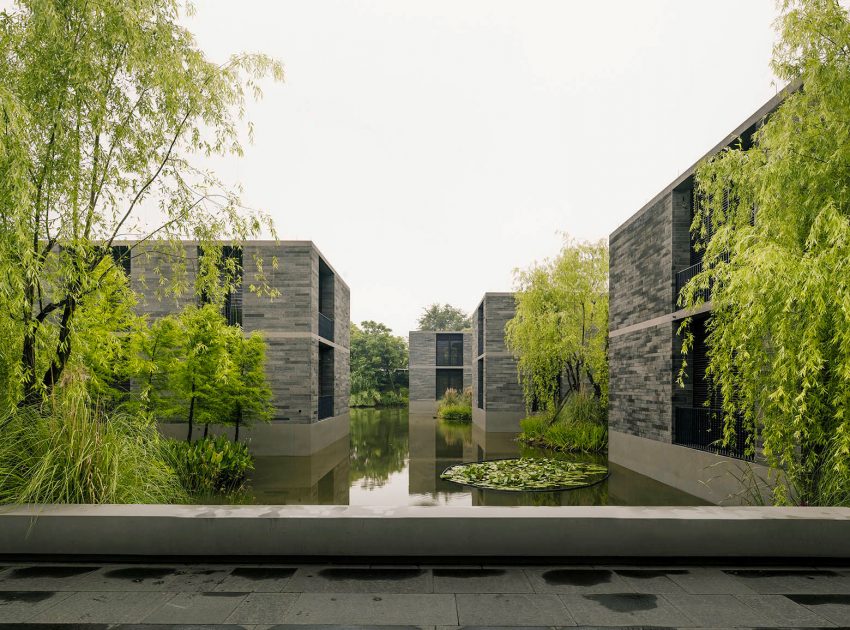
(392, 457)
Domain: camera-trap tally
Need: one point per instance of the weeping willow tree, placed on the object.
(559, 334)
(104, 107)
(778, 265)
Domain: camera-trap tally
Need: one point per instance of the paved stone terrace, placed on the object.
(278, 596)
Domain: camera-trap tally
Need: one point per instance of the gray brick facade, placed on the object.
(502, 391)
(423, 366)
(288, 322)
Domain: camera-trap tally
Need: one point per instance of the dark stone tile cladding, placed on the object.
(641, 383)
(641, 268)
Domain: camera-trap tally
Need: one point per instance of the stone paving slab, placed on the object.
(625, 609)
(512, 609)
(475, 580)
(710, 581)
(836, 608)
(262, 597)
(104, 607)
(263, 608)
(196, 608)
(576, 580)
(796, 581)
(23, 605)
(367, 609)
(360, 580)
(652, 581)
(257, 579)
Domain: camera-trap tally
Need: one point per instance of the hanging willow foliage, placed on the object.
(778, 264)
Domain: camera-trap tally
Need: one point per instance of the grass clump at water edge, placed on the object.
(456, 406)
(579, 426)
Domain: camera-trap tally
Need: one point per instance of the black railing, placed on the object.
(686, 275)
(326, 407)
(326, 327)
(701, 428)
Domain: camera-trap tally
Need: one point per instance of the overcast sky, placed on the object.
(430, 148)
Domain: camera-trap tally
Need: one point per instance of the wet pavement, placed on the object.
(88, 596)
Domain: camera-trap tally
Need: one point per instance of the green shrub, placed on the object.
(456, 406)
(534, 427)
(455, 413)
(581, 425)
(211, 465)
(70, 451)
(583, 407)
(374, 398)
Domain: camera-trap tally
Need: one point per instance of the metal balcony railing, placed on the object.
(686, 275)
(326, 407)
(701, 428)
(326, 327)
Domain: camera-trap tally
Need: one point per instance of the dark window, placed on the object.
(232, 307)
(121, 257)
(450, 349)
(481, 383)
(481, 329)
(448, 379)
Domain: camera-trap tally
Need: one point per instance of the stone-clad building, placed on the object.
(439, 360)
(497, 400)
(306, 328)
(657, 427)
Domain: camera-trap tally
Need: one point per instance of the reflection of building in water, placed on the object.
(434, 446)
(497, 399)
(321, 478)
(439, 360)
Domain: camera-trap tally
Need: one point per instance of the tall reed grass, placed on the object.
(68, 450)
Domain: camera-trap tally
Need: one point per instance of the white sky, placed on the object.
(429, 148)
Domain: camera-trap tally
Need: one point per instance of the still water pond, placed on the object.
(393, 458)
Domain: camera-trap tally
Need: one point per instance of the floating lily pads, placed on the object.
(526, 474)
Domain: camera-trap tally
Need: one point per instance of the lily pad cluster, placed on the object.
(526, 473)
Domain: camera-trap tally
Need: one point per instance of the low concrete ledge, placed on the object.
(550, 532)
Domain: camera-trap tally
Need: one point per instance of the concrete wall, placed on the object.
(546, 532)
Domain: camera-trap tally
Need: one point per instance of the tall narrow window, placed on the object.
(450, 349)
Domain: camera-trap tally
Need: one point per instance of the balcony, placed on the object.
(686, 275)
(326, 327)
(701, 428)
(326, 407)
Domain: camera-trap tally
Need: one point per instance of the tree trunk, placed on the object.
(238, 421)
(63, 346)
(206, 429)
(191, 413)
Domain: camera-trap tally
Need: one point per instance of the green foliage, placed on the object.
(378, 360)
(104, 106)
(580, 426)
(194, 366)
(455, 413)
(374, 398)
(211, 465)
(526, 474)
(68, 450)
(779, 335)
(560, 329)
(443, 317)
(456, 406)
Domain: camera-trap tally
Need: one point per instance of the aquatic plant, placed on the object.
(526, 474)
